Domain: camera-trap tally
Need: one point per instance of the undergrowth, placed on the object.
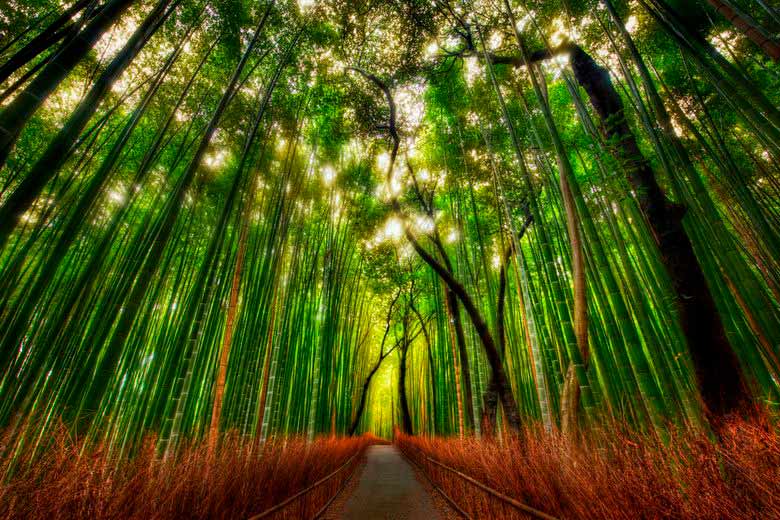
(613, 475)
(242, 479)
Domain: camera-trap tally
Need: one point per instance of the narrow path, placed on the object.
(389, 490)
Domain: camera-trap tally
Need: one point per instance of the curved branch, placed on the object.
(483, 331)
(391, 126)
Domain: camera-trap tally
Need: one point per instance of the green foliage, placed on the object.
(281, 246)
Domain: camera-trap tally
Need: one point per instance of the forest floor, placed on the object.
(387, 487)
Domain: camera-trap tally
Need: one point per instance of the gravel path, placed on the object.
(388, 489)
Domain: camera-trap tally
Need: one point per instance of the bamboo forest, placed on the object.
(390, 259)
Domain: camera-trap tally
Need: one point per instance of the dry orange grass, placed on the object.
(621, 476)
(241, 481)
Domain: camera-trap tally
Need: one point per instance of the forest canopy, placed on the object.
(328, 216)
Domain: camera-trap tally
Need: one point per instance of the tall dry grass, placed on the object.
(241, 480)
(614, 475)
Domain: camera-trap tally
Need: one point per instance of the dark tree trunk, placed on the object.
(22, 80)
(429, 349)
(490, 409)
(748, 27)
(363, 396)
(483, 331)
(15, 116)
(406, 417)
(454, 310)
(718, 374)
(55, 32)
(382, 355)
(61, 146)
(717, 368)
(432, 371)
(490, 398)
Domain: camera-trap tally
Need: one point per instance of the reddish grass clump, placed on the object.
(612, 475)
(242, 480)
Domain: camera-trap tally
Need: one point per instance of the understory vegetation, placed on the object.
(242, 479)
(612, 474)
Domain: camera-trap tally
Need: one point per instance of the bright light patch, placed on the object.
(410, 104)
(305, 5)
(431, 50)
(557, 65)
(561, 32)
(496, 40)
(383, 161)
(395, 186)
(116, 196)
(424, 224)
(473, 69)
(328, 175)
(631, 24)
(524, 21)
(394, 229)
(216, 159)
